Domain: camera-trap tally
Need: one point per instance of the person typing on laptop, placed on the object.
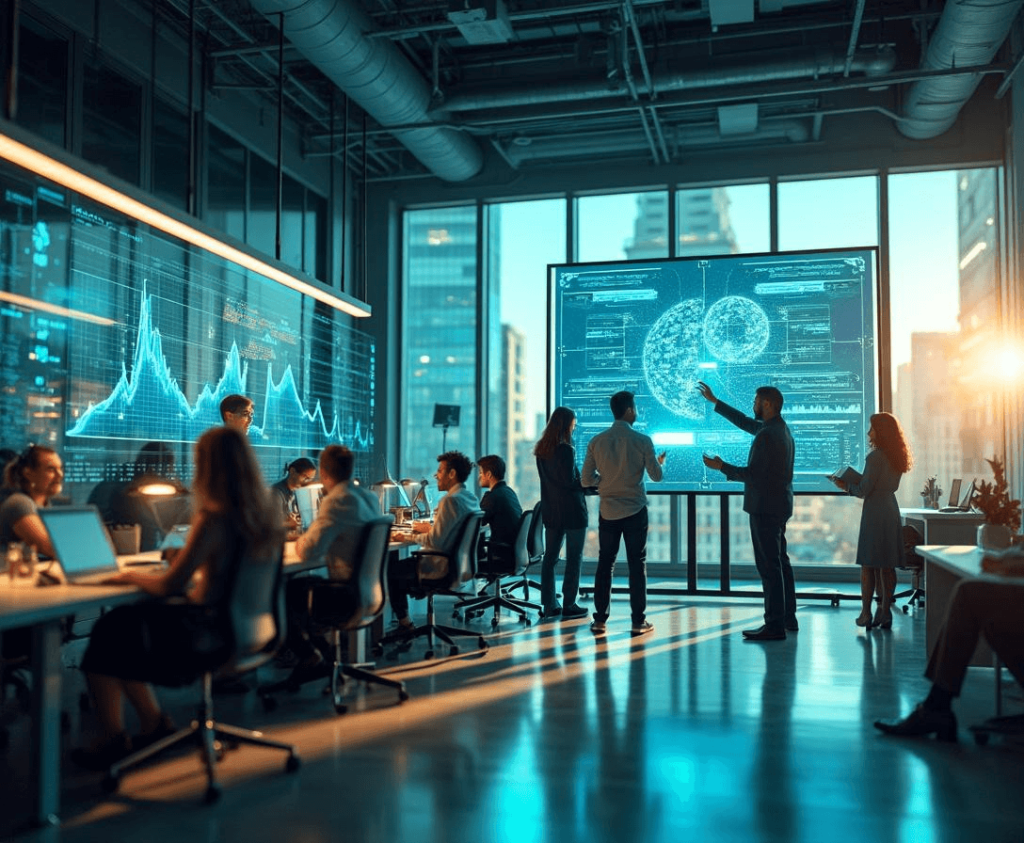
(135, 645)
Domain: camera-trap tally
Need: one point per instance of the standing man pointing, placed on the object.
(616, 461)
(768, 499)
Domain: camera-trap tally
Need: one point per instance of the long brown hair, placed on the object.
(228, 480)
(558, 431)
(889, 439)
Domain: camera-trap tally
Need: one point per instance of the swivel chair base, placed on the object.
(207, 733)
(476, 606)
(430, 629)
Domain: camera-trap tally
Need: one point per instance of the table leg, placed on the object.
(45, 760)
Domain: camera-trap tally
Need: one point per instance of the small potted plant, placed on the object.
(1002, 513)
(931, 493)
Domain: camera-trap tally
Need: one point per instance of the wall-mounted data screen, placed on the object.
(803, 322)
(115, 335)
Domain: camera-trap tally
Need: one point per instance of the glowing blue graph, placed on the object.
(147, 403)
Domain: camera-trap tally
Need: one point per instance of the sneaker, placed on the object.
(554, 612)
(574, 611)
(597, 627)
(643, 628)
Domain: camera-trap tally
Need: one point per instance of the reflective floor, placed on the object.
(555, 735)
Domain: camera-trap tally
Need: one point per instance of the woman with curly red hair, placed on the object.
(880, 543)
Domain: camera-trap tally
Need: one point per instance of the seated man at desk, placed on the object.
(502, 512)
(453, 468)
(332, 537)
(988, 606)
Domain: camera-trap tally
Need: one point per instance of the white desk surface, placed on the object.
(934, 514)
(960, 559)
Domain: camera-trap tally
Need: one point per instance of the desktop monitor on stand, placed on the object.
(445, 416)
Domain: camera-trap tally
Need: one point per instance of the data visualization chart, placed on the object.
(115, 336)
(803, 322)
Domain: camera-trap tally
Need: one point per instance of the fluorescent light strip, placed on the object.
(50, 168)
(37, 304)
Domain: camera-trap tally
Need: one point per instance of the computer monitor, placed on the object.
(308, 499)
(954, 492)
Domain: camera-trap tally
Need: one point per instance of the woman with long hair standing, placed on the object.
(880, 543)
(235, 528)
(564, 511)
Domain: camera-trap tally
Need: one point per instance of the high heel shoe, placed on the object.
(883, 621)
(864, 620)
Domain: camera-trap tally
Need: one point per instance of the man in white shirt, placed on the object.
(616, 462)
(332, 537)
(453, 469)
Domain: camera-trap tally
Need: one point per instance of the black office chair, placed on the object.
(338, 608)
(461, 569)
(254, 611)
(535, 551)
(515, 564)
(915, 564)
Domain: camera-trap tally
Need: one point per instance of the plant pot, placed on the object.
(993, 536)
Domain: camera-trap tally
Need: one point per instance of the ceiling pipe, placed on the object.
(966, 35)
(332, 35)
(804, 64)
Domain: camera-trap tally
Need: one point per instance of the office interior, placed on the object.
(421, 165)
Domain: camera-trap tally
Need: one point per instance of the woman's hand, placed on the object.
(842, 484)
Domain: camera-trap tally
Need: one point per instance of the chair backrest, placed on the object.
(462, 562)
(256, 610)
(521, 553)
(535, 537)
(371, 571)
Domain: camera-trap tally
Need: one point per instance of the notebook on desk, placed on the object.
(81, 544)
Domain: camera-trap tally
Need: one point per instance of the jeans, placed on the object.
(768, 535)
(633, 529)
(573, 559)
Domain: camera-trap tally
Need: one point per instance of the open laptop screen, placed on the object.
(80, 541)
(954, 492)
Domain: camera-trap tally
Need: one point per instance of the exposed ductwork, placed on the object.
(332, 35)
(967, 34)
(807, 64)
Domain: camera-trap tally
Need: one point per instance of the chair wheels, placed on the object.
(456, 616)
(340, 708)
(482, 643)
(429, 654)
(453, 650)
(835, 602)
(906, 610)
(494, 623)
(403, 695)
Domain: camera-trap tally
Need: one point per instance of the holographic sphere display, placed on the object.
(736, 329)
(670, 358)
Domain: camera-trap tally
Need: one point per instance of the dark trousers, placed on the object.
(403, 577)
(574, 540)
(979, 607)
(633, 530)
(768, 535)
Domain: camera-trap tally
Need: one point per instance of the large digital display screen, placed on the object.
(802, 322)
(115, 335)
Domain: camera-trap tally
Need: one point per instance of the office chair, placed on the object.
(461, 569)
(520, 561)
(915, 564)
(343, 607)
(535, 550)
(255, 612)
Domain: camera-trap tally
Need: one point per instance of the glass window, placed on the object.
(314, 230)
(723, 220)
(225, 183)
(111, 121)
(518, 403)
(828, 213)
(43, 81)
(261, 222)
(439, 363)
(292, 213)
(170, 154)
(945, 323)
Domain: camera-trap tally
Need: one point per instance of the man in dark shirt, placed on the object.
(502, 513)
(768, 500)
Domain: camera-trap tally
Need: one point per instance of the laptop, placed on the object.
(954, 492)
(308, 498)
(80, 541)
(964, 504)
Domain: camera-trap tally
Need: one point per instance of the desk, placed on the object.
(944, 568)
(42, 609)
(945, 528)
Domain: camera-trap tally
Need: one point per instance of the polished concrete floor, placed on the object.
(555, 735)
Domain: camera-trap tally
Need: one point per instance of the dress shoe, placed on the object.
(597, 627)
(764, 633)
(553, 612)
(574, 611)
(792, 626)
(922, 721)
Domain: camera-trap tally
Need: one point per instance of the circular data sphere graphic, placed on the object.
(670, 358)
(736, 329)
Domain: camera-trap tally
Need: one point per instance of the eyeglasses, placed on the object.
(247, 414)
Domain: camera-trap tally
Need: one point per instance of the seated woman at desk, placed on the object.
(880, 542)
(132, 646)
(31, 480)
(297, 473)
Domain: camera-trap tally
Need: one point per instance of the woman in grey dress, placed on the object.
(880, 543)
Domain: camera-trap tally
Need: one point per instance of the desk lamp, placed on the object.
(389, 492)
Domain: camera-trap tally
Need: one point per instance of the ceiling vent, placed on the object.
(481, 21)
(725, 12)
